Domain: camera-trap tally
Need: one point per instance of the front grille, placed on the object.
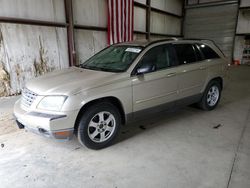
(28, 97)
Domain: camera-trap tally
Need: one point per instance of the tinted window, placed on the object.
(185, 53)
(198, 53)
(159, 57)
(208, 52)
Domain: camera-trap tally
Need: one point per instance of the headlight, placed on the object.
(53, 103)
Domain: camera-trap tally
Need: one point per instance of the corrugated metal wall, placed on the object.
(89, 13)
(166, 24)
(213, 22)
(28, 50)
(161, 22)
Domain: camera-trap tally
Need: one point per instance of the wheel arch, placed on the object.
(113, 100)
(203, 101)
(218, 79)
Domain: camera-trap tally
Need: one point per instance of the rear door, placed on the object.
(191, 70)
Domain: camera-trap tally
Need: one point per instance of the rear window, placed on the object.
(208, 52)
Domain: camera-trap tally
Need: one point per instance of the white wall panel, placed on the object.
(92, 13)
(209, 1)
(139, 19)
(157, 37)
(173, 6)
(192, 2)
(244, 3)
(165, 24)
(29, 51)
(139, 36)
(243, 22)
(89, 43)
(141, 1)
(45, 10)
(239, 47)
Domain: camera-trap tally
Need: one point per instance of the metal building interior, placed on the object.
(186, 147)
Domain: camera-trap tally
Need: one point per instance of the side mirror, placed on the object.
(145, 69)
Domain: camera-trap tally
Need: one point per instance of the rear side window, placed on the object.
(208, 52)
(198, 54)
(185, 53)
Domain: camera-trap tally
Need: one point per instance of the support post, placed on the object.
(148, 15)
(70, 31)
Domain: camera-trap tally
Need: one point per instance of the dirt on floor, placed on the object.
(7, 121)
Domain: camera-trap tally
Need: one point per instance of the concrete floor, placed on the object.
(185, 148)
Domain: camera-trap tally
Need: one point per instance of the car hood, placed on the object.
(71, 80)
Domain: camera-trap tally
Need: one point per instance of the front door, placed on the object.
(155, 81)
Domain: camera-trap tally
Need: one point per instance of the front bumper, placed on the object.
(58, 126)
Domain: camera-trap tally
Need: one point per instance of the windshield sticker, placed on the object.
(134, 50)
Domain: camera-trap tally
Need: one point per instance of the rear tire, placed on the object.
(211, 96)
(99, 125)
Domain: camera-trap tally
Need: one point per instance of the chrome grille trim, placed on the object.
(28, 97)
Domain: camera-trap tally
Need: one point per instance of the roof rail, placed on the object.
(162, 40)
(197, 39)
(174, 38)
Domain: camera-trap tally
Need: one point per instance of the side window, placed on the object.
(208, 52)
(159, 57)
(185, 53)
(198, 53)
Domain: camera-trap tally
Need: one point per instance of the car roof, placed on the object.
(145, 42)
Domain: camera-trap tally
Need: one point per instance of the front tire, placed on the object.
(211, 96)
(99, 125)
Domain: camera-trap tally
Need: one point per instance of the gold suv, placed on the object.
(119, 84)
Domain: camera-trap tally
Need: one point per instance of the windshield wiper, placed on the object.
(99, 68)
(84, 66)
(90, 67)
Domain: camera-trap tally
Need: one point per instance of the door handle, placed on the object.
(171, 74)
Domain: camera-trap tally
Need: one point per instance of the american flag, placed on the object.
(120, 21)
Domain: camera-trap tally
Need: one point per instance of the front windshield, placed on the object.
(113, 59)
